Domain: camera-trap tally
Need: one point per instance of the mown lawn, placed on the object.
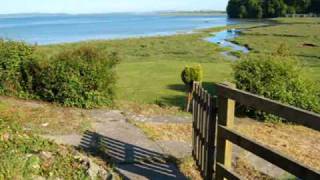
(159, 81)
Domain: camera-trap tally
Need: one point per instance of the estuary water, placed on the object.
(223, 39)
(61, 28)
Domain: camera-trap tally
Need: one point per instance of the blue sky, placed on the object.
(105, 6)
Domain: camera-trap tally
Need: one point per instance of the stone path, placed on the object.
(135, 155)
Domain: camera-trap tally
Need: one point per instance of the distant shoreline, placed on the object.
(193, 13)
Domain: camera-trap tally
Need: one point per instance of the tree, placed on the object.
(270, 8)
(299, 6)
(233, 9)
(275, 8)
(315, 6)
(243, 12)
(254, 9)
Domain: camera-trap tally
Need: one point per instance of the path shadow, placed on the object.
(174, 100)
(209, 86)
(129, 158)
(180, 100)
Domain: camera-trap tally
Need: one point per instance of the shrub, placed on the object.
(191, 74)
(279, 78)
(13, 55)
(82, 77)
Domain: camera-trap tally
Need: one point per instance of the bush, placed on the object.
(82, 77)
(13, 56)
(279, 78)
(192, 74)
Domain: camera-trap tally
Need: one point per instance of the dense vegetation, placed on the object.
(271, 8)
(82, 77)
(279, 78)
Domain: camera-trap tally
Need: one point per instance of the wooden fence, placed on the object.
(213, 135)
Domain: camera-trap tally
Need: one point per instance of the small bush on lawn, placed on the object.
(82, 77)
(191, 74)
(279, 78)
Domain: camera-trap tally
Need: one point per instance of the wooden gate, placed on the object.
(204, 130)
(213, 135)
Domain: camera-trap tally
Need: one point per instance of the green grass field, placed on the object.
(150, 68)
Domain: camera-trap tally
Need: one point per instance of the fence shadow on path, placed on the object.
(129, 158)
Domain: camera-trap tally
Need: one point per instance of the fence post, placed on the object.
(211, 138)
(226, 110)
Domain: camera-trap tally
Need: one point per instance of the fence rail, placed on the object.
(213, 135)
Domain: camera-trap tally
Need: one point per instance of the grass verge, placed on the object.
(26, 156)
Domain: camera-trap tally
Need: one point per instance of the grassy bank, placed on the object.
(150, 68)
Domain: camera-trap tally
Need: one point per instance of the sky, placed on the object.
(106, 6)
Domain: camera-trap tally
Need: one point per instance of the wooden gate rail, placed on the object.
(212, 134)
(291, 113)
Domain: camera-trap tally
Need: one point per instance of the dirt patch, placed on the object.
(167, 131)
(44, 118)
(298, 142)
(149, 109)
(309, 45)
(247, 171)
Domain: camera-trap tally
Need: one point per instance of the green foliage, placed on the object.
(20, 156)
(82, 77)
(192, 74)
(12, 58)
(315, 6)
(279, 78)
(234, 10)
(270, 8)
